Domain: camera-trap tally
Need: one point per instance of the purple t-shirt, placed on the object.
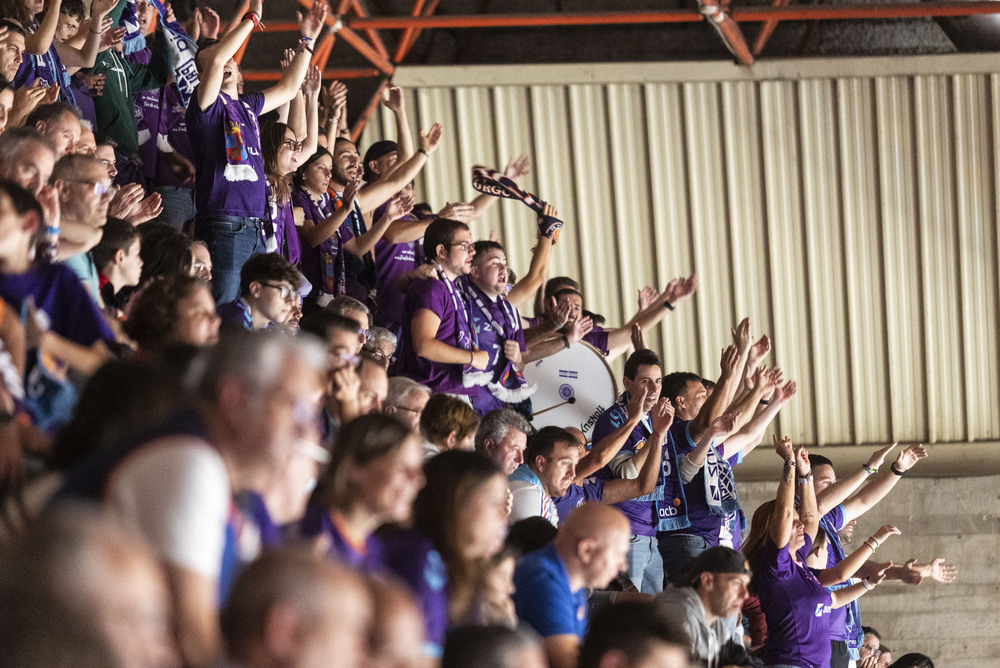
(370, 560)
(221, 188)
(590, 490)
(313, 260)
(58, 291)
(434, 295)
(796, 606)
(286, 235)
(235, 313)
(598, 337)
(411, 556)
(83, 100)
(172, 130)
(486, 337)
(147, 120)
(391, 262)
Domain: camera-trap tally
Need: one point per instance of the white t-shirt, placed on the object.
(175, 491)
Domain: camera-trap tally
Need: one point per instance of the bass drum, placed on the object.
(575, 386)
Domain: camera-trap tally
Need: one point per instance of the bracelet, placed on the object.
(875, 540)
(668, 306)
(255, 17)
(895, 470)
(789, 463)
(805, 479)
(869, 470)
(424, 151)
(565, 341)
(869, 546)
(51, 229)
(472, 357)
(867, 585)
(96, 32)
(765, 402)
(303, 38)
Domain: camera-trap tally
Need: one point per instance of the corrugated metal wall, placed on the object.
(852, 216)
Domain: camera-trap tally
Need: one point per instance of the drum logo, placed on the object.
(566, 391)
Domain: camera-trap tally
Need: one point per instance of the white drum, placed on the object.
(575, 386)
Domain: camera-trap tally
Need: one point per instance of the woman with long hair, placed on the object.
(459, 524)
(795, 603)
(374, 476)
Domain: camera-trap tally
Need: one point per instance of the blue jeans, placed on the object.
(677, 549)
(645, 567)
(178, 206)
(231, 240)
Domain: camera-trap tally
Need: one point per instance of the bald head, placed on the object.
(398, 630)
(593, 542)
(293, 609)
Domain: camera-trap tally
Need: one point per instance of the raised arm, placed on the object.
(837, 493)
(310, 25)
(604, 450)
(214, 58)
(849, 565)
(842, 597)
(399, 206)
(86, 55)
(621, 489)
(373, 196)
(783, 516)
(395, 102)
(716, 405)
(882, 483)
(751, 435)
(677, 290)
(310, 93)
(538, 269)
(40, 41)
(721, 427)
(808, 514)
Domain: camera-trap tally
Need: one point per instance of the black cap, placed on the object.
(376, 151)
(713, 560)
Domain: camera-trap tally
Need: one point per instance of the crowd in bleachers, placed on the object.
(260, 407)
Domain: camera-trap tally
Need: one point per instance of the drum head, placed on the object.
(575, 386)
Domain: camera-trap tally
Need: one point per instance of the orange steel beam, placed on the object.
(372, 34)
(767, 30)
(412, 35)
(270, 75)
(742, 15)
(370, 108)
(322, 54)
(362, 47)
(418, 7)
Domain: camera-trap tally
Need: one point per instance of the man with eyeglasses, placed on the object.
(438, 338)
(85, 191)
(268, 291)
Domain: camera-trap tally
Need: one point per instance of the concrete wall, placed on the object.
(957, 518)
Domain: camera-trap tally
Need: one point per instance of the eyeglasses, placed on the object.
(293, 145)
(404, 408)
(344, 356)
(379, 356)
(467, 246)
(100, 187)
(286, 293)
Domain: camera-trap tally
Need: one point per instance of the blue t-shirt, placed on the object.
(543, 598)
(796, 606)
(235, 313)
(591, 490)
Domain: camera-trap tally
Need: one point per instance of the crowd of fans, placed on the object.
(259, 407)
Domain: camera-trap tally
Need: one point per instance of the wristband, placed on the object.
(303, 38)
(869, 546)
(51, 229)
(895, 470)
(424, 151)
(789, 463)
(96, 32)
(472, 357)
(765, 402)
(875, 540)
(869, 470)
(565, 341)
(668, 306)
(867, 585)
(255, 17)
(805, 479)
